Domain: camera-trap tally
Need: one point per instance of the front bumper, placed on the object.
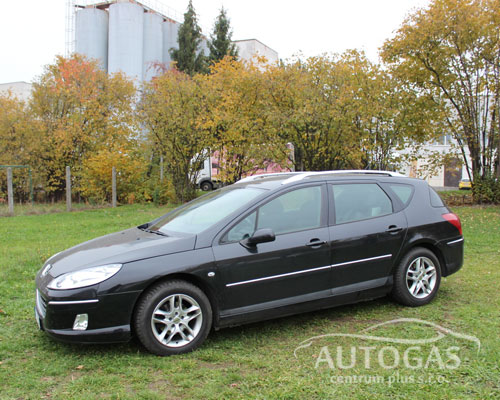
(109, 317)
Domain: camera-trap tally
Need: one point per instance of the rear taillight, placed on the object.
(454, 220)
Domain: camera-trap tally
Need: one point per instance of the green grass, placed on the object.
(45, 208)
(253, 361)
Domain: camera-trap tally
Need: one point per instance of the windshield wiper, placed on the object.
(145, 229)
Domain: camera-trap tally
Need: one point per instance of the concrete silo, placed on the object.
(204, 46)
(170, 32)
(126, 26)
(91, 34)
(153, 45)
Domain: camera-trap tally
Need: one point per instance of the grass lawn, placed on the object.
(253, 361)
(44, 208)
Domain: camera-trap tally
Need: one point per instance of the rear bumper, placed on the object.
(453, 254)
(108, 318)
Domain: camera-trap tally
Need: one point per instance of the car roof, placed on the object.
(271, 181)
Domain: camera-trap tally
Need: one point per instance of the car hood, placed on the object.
(117, 248)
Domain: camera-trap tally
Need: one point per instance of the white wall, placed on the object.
(21, 90)
(248, 49)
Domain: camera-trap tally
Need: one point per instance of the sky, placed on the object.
(32, 32)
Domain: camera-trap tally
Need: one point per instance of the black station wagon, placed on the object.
(268, 246)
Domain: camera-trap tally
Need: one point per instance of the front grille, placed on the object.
(41, 304)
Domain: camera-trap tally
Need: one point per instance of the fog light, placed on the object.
(81, 322)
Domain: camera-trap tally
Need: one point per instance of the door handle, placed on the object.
(315, 242)
(394, 229)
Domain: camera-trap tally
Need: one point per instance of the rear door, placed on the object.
(366, 235)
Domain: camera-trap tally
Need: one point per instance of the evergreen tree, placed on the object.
(220, 44)
(188, 57)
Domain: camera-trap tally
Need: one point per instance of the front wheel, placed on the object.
(206, 186)
(173, 317)
(417, 278)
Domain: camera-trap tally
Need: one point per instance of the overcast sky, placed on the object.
(32, 32)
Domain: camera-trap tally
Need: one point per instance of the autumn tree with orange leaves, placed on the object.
(85, 120)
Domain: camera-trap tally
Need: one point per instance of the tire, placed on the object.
(417, 278)
(160, 323)
(206, 186)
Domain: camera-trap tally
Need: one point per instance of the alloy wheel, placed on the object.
(421, 277)
(176, 321)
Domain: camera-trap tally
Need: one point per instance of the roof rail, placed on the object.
(261, 176)
(303, 175)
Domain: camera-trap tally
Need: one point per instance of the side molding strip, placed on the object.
(456, 241)
(278, 276)
(63, 303)
(362, 260)
(308, 270)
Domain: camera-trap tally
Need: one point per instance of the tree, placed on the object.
(16, 132)
(172, 109)
(188, 57)
(450, 51)
(313, 105)
(238, 120)
(394, 120)
(80, 110)
(18, 137)
(220, 44)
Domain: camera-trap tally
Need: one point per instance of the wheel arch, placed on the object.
(192, 279)
(426, 244)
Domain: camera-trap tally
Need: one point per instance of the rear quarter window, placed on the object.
(404, 192)
(436, 200)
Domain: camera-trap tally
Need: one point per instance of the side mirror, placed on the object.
(259, 236)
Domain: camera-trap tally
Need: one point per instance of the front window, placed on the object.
(293, 211)
(206, 211)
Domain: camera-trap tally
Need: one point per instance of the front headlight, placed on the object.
(84, 277)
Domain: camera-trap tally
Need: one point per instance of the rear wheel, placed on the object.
(173, 317)
(417, 278)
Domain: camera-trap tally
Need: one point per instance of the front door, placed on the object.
(292, 268)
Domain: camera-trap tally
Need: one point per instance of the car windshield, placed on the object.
(206, 211)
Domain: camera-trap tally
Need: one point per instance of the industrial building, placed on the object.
(250, 48)
(134, 36)
(21, 90)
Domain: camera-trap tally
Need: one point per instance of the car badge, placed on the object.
(46, 270)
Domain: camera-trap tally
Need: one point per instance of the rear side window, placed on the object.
(358, 201)
(436, 200)
(404, 192)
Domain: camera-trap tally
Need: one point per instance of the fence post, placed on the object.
(113, 188)
(68, 189)
(31, 186)
(10, 193)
